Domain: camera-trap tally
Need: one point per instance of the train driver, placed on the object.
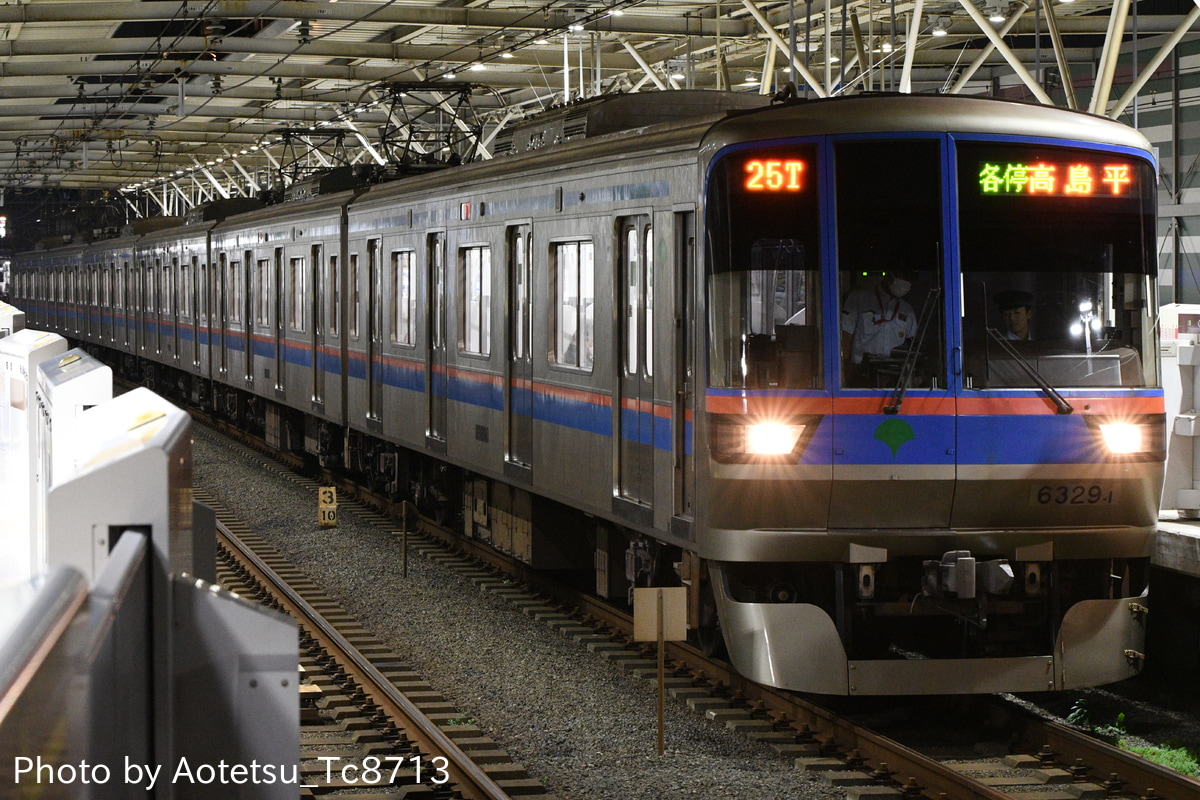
(1016, 309)
(875, 321)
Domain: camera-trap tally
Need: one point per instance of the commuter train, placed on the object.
(875, 377)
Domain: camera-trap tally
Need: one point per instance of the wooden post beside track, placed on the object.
(660, 615)
(662, 678)
(404, 539)
(407, 511)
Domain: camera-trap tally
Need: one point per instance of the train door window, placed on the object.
(263, 289)
(1057, 251)
(648, 249)
(475, 269)
(763, 272)
(237, 289)
(520, 250)
(890, 263)
(404, 317)
(107, 299)
(168, 290)
(355, 295)
(185, 291)
(127, 298)
(638, 273)
(632, 272)
(90, 298)
(248, 304)
(150, 290)
(147, 301)
(216, 299)
(335, 295)
(201, 289)
(297, 276)
(573, 272)
(170, 297)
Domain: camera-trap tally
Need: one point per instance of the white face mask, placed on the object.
(899, 288)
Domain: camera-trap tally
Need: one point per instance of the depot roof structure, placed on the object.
(183, 102)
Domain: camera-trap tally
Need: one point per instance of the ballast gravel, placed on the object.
(580, 724)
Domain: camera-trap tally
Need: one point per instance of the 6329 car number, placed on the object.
(1077, 494)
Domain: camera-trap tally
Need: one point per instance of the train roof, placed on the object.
(903, 113)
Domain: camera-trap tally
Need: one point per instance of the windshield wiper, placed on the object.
(1063, 406)
(910, 358)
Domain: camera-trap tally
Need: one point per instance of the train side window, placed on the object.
(298, 293)
(573, 275)
(404, 312)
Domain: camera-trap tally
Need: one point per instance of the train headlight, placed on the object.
(772, 439)
(1123, 438)
(746, 439)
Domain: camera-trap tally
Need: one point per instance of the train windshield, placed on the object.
(764, 289)
(1056, 247)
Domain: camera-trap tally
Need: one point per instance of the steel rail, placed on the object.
(1140, 776)
(467, 776)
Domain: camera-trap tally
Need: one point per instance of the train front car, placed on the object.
(933, 422)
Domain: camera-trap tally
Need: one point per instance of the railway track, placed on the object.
(369, 721)
(1038, 758)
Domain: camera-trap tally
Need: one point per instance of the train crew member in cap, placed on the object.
(877, 321)
(1016, 309)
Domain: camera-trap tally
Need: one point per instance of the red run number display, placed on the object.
(774, 175)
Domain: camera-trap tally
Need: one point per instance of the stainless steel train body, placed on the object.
(277, 273)
(652, 356)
